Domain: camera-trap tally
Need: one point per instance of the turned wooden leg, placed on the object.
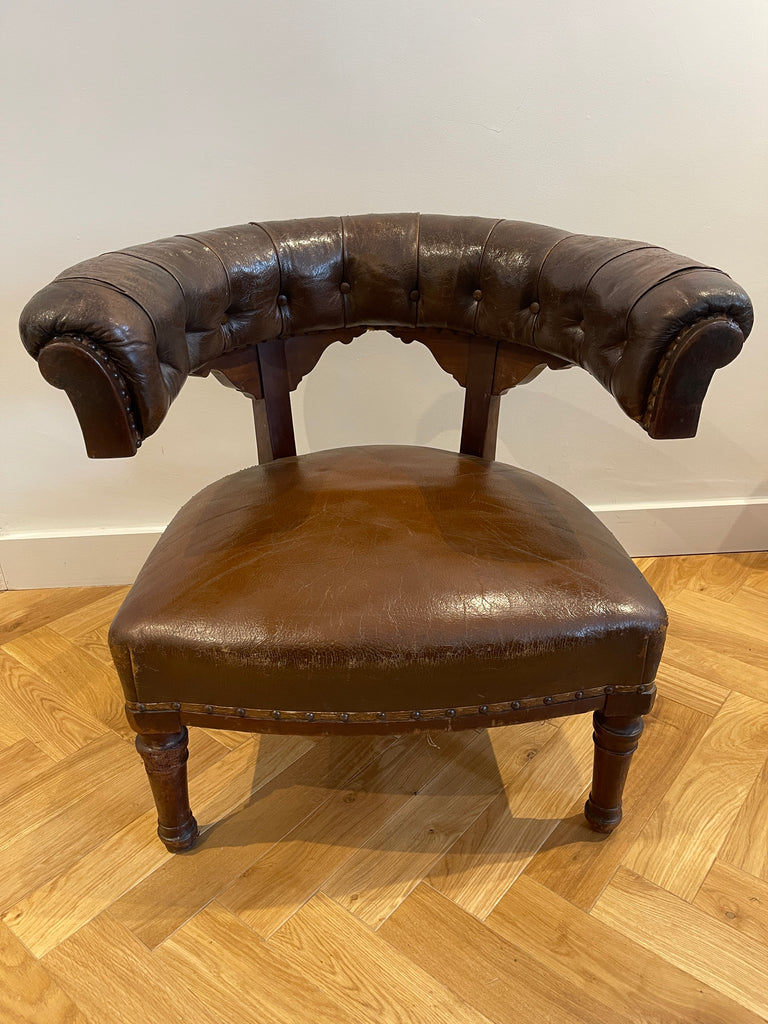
(165, 758)
(615, 743)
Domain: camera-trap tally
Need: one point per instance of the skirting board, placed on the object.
(31, 561)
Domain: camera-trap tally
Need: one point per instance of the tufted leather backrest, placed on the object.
(163, 310)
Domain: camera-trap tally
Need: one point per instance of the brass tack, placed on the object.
(451, 712)
(382, 715)
(547, 700)
(209, 709)
(275, 714)
(416, 714)
(345, 717)
(608, 689)
(515, 705)
(579, 694)
(142, 707)
(241, 712)
(483, 709)
(176, 706)
(310, 716)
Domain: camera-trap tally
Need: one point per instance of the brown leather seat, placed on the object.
(385, 581)
(383, 589)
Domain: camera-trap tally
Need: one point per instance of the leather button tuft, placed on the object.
(345, 287)
(477, 295)
(282, 300)
(534, 308)
(414, 295)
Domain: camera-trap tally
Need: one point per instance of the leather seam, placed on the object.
(343, 271)
(258, 224)
(217, 254)
(153, 263)
(480, 270)
(418, 269)
(546, 256)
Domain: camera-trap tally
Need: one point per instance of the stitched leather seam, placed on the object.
(217, 254)
(343, 269)
(153, 263)
(546, 256)
(667, 277)
(257, 224)
(480, 269)
(418, 269)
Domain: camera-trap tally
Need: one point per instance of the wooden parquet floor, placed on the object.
(429, 879)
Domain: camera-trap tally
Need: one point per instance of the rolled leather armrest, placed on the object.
(121, 332)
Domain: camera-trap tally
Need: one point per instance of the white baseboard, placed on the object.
(30, 561)
(104, 558)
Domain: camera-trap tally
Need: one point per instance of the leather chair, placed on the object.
(383, 589)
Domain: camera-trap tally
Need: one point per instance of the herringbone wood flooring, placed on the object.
(416, 880)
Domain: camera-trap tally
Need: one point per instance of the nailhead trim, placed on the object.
(109, 365)
(661, 371)
(422, 715)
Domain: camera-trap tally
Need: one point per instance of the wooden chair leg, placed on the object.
(615, 743)
(165, 759)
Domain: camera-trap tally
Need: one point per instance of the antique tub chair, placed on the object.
(383, 589)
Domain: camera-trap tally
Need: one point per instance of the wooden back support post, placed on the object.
(268, 372)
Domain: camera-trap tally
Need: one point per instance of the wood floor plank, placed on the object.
(70, 831)
(182, 886)
(11, 726)
(65, 783)
(576, 862)
(52, 721)
(717, 668)
(63, 904)
(20, 765)
(28, 994)
(483, 969)
(691, 688)
(384, 870)
(722, 576)
(87, 682)
(214, 953)
(719, 625)
(667, 576)
(746, 845)
(751, 603)
(611, 966)
(758, 577)
(367, 975)
(736, 899)
(479, 868)
(281, 881)
(96, 615)
(114, 978)
(688, 937)
(693, 818)
(22, 611)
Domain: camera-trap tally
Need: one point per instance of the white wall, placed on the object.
(126, 121)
